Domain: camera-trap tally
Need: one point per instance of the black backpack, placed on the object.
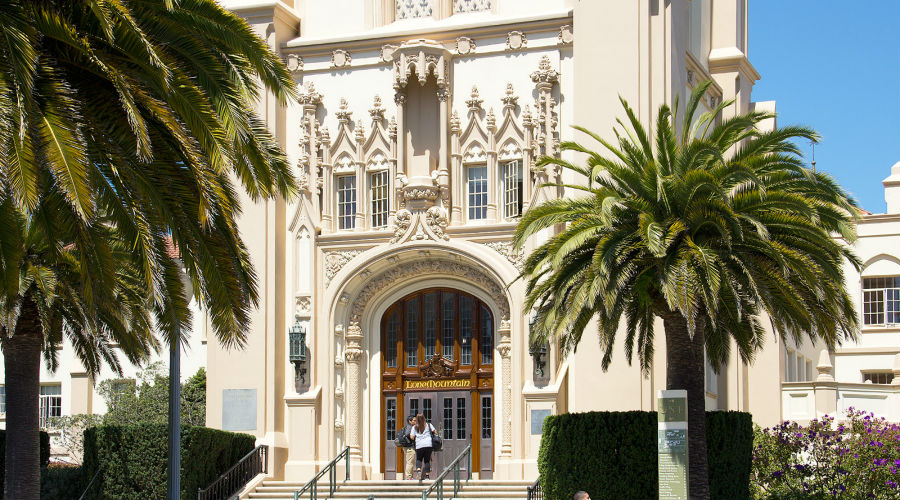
(403, 440)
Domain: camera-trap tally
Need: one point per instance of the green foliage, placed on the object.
(71, 432)
(61, 482)
(857, 458)
(613, 455)
(147, 399)
(45, 454)
(132, 459)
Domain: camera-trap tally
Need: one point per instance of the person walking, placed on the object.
(409, 447)
(421, 433)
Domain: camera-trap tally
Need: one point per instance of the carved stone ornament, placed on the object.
(510, 100)
(387, 52)
(377, 111)
(338, 425)
(309, 96)
(396, 274)
(418, 225)
(504, 349)
(437, 366)
(516, 40)
(474, 101)
(340, 58)
(566, 36)
(294, 63)
(465, 46)
(421, 58)
(335, 261)
(304, 306)
(506, 249)
(545, 73)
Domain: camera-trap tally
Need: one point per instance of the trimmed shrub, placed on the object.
(44, 453)
(61, 482)
(613, 455)
(132, 459)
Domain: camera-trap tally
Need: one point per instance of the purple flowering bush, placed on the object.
(857, 458)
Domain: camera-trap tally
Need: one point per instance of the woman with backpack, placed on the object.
(422, 433)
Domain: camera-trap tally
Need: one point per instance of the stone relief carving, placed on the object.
(304, 306)
(505, 248)
(402, 221)
(340, 58)
(387, 52)
(422, 58)
(436, 218)
(516, 40)
(294, 64)
(465, 46)
(418, 225)
(566, 36)
(547, 119)
(424, 268)
(335, 261)
(437, 366)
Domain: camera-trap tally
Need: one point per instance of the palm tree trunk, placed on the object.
(685, 370)
(22, 363)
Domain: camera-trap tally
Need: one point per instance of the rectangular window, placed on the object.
(476, 185)
(460, 418)
(2, 399)
(50, 404)
(447, 318)
(426, 409)
(390, 351)
(878, 377)
(390, 431)
(413, 407)
(379, 193)
(430, 325)
(512, 189)
(465, 330)
(448, 418)
(486, 417)
(486, 346)
(881, 300)
(346, 201)
(412, 334)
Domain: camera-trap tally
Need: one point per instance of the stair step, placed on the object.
(396, 489)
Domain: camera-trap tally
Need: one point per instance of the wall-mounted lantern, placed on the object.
(538, 354)
(297, 342)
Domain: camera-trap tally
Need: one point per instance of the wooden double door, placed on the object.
(438, 353)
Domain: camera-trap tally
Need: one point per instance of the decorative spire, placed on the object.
(392, 128)
(454, 123)
(491, 120)
(545, 73)
(475, 101)
(526, 116)
(309, 96)
(343, 114)
(510, 100)
(325, 137)
(360, 131)
(377, 111)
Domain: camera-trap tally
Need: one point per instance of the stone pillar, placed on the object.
(354, 354)
(505, 349)
(825, 386)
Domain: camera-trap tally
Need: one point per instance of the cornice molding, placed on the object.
(727, 59)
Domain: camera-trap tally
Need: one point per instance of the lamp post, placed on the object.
(297, 354)
(173, 490)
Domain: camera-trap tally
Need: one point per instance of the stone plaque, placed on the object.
(239, 409)
(672, 445)
(537, 420)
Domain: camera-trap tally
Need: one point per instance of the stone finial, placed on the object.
(360, 131)
(526, 116)
(545, 73)
(392, 128)
(343, 113)
(377, 111)
(896, 370)
(824, 368)
(309, 96)
(474, 102)
(325, 136)
(491, 120)
(455, 126)
(510, 100)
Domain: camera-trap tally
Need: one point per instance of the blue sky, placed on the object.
(835, 66)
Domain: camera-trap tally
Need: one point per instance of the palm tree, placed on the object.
(139, 113)
(706, 228)
(61, 278)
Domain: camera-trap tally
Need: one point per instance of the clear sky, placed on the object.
(835, 66)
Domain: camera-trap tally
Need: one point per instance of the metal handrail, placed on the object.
(312, 485)
(438, 483)
(535, 491)
(235, 478)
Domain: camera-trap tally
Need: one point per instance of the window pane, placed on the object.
(465, 329)
(892, 305)
(390, 351)
(412, 337)
(460, 418)
(346, 201)
(447, 299)
(390, 431)
(477, 188)
(51, 390)
(430, 325)
(873, 307)
(379, 194)
(426, 409)
(413, 407)
(486, 417)
(487, 337)
(512, 189)
(448, 418)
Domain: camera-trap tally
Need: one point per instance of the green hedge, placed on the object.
(133, 459)
(44, 453)
(613, 455)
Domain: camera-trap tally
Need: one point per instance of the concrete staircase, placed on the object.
(394, 490)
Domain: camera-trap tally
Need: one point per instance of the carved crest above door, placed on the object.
(438, 366)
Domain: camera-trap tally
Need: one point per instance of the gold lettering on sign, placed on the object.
(435, 384)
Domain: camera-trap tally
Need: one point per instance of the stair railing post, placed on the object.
(347, 462)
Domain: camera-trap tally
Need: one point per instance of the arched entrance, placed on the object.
(438, 360)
